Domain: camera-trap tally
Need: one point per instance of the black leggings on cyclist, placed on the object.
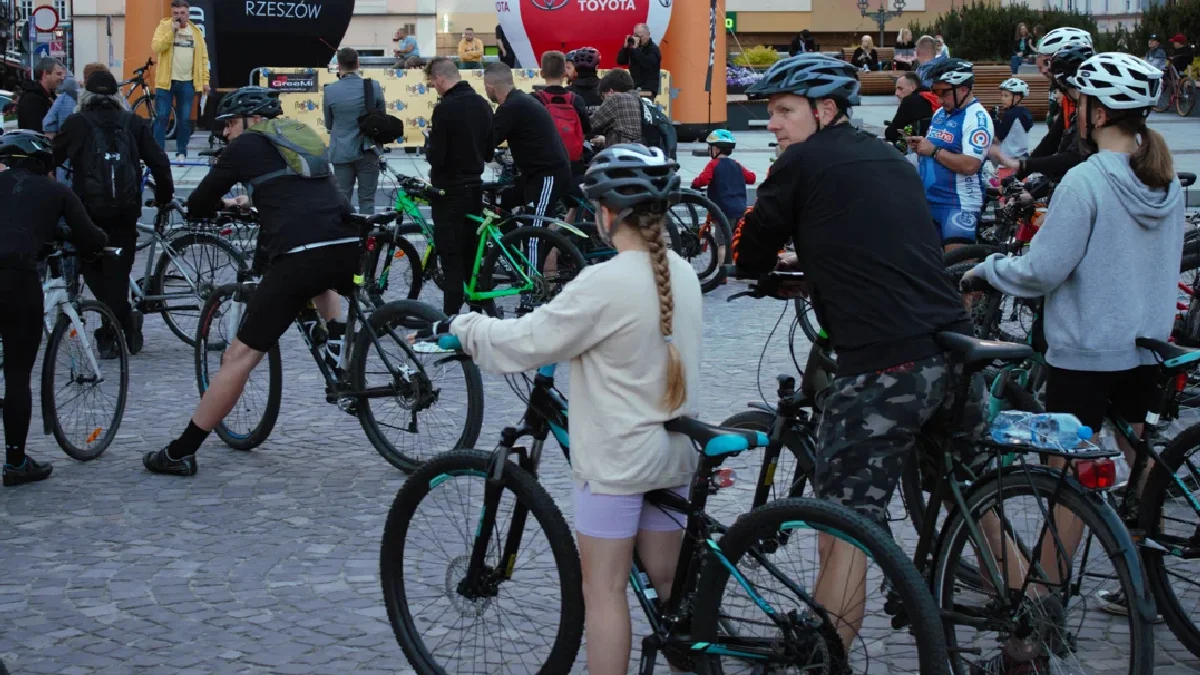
(21, 332)
(108, 277)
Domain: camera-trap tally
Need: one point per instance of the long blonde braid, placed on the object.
(650, 226)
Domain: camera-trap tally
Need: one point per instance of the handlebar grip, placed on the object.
(973, 284)
(448, 341)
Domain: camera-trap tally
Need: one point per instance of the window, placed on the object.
(24, 10)
(370, 7)
(63, 7)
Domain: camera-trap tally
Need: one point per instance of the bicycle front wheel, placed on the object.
(83, 397)
(1186, 99)
(254, 415)
(732, 595)
(401, 275)
(523, 615)
(528, 269)
(189, 269)
(1040, 630)
(702, 236)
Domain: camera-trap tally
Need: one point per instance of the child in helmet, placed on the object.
(724, 177)
(1013, 120)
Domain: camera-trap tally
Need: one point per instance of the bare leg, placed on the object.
(659, 552)
(841, 586)
(606, 564)
(226, 386)
(329, 305)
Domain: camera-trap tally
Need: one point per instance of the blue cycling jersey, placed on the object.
(967, 131)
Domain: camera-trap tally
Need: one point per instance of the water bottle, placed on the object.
(1053, 431)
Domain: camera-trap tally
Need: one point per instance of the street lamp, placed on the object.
(881, 15)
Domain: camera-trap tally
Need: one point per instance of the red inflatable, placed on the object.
(537, 26)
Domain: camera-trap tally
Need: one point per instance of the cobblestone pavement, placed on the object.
(267, 561)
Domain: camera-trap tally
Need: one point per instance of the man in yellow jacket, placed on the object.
(182, 69)
(470, 50)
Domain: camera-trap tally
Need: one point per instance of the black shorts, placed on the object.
(290, 282)
(1088, 395)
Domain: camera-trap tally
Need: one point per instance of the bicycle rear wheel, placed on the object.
(84, 406)
(437, 401)
(728, 614)
(545, 256)
(702, 236)
(1186, 99)
(190, 268)
(253, 418)
(528, 617)
(1040, 634)
(402, 279)
(1165, 94)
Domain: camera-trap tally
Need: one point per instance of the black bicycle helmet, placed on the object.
(628, 175)
(250, 101)
(956, 72)
(1066, 61)
(585, 57)
(27, 147)
(810, 75)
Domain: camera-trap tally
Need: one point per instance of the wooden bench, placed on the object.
(987, 87)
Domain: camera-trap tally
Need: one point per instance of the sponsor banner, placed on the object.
(298, 82)
(283, 33)
(537, 26)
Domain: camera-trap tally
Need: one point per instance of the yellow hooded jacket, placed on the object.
(163, 44)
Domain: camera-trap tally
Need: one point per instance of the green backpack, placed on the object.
(302, 149)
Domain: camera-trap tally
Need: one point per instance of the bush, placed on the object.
(985, 32)
(1165, 21)
(757, 57)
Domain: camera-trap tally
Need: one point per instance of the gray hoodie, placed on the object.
(1107, 261)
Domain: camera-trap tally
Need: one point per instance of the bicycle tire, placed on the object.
(1114, 540)
(1151, 518)
(764, 522)
(720, 231)
(256, 435)
(163, 267)
(1186, 98)
(1166, 96)
(152, 114)
(410, 315)
(527, 491)
(513, 241)
(404, 251)
(96, 445)
(806, 314)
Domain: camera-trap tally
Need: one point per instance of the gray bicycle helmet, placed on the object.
(250, 101)
(956, 72)
(27, 147)
(629, 175)
(810, 75)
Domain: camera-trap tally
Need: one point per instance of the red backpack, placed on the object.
(566, 118)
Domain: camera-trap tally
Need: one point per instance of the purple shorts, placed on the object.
(621, 516)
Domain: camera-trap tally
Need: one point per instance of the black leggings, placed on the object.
(456, 240)
(108, 277)
(21, 331)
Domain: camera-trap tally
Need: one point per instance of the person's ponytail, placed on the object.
(1152, 162)
(650, 226)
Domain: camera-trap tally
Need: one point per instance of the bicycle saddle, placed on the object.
(969, 350)
(1186, 179)
(716, 441)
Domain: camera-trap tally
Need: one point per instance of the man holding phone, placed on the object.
(182, 69)
(643, 58)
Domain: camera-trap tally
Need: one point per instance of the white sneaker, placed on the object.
(430, 348)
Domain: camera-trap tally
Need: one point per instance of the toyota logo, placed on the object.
(549, 5)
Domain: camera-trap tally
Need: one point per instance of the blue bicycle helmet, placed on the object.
(722, 138)
(813, 76)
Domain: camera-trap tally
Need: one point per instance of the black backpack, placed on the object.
(657, 130)
(376, 125)
(110, 167)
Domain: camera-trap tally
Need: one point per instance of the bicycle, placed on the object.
(403, 377)
(74, 377)
(192, 264)
(514, 258)
(1179, 90)
(143, 104)
(698, 627)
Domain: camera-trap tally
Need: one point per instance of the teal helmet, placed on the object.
(722, 138)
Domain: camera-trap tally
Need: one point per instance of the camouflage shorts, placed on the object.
(868, 430)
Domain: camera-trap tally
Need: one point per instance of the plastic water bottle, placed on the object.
(1043, 430)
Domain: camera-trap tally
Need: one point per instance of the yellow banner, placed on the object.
(410, 98)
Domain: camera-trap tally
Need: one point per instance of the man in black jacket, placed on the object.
(37, 95)
(103, 119)
(537, 149)
(460, 143)
(915, 110)
(643, 58)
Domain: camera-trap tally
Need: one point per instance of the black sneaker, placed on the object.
(29, 472)
(134, 338)
(159, 462)
(1114, 602)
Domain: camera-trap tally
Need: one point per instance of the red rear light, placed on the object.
(724, 478)
(370, 244)
(1181, 382)
(226, 232)
(1096, 474)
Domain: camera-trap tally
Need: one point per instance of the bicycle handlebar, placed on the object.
(769, 285)
(973, 284)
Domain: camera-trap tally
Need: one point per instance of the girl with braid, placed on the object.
(631, 329)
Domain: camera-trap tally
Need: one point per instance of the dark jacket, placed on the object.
(532, 136)
(587, 86)
(34, 104)
(862, 57)
(871, 253)
(34, 203)
(1026, 46)
(72, 141)
(801, 45)
(1058, 152)
(916, 110)
(644, 63)
(292, 210)
(1182, 58)
(460, 142)
(726, 181)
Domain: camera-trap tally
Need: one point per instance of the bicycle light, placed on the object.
(723, 478)
(1096, 474)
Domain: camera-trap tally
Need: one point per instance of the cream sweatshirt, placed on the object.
(606, 323)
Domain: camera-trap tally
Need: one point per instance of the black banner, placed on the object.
(306, 83)
(276, 34)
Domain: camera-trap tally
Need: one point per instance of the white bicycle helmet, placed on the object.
(1119, 81)
(1016, 85)
(1063, 37)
